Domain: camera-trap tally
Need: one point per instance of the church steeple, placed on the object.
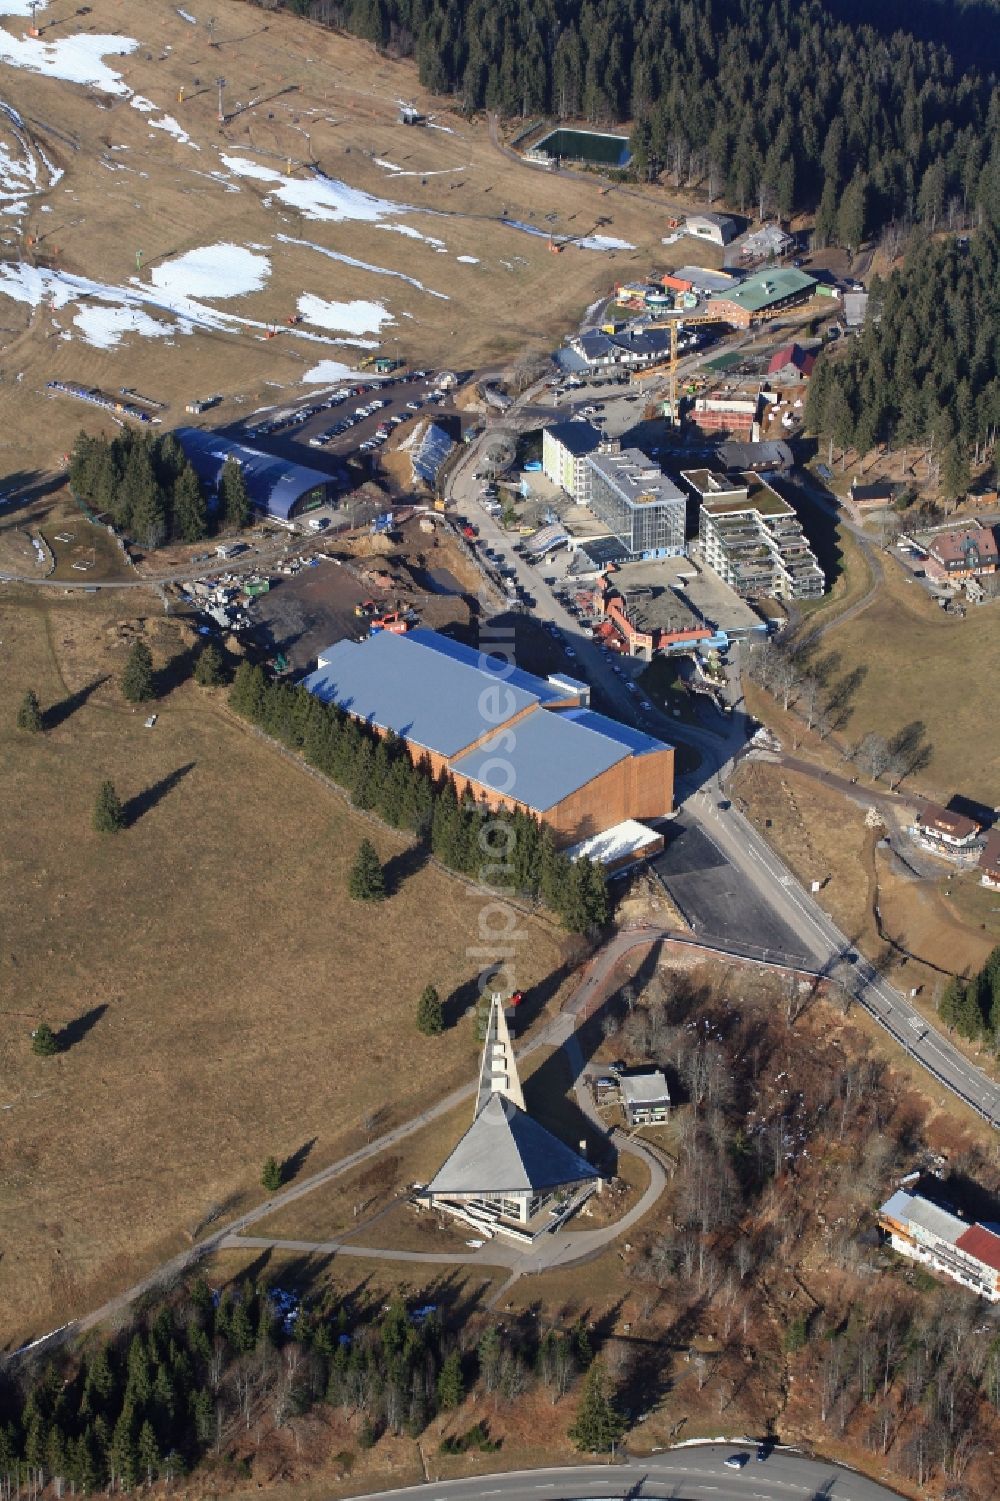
(498, 1071)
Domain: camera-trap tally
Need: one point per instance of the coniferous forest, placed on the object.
(773, 105)
(926, 367)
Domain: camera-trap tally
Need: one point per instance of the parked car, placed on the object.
(736, 1461)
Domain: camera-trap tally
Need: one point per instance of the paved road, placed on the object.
(594, 978)
(691, 1473)
(754, 868)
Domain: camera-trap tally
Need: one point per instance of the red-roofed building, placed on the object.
(791, 363)
(983, 1246)
(968, 552)
(989, 863)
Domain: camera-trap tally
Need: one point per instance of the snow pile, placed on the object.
(223, 270)
(345, 317)
(316, 196)
(602, 242)
(170, 125)
(324, 372)
(19, 7)
(103, 327)
(468, 260)
(121, 310)
(75, 59)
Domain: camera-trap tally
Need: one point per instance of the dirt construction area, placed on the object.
(160, 251)
(216, 996)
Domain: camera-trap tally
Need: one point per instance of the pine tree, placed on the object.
(190, 514)
(234, 496)
(598, 1425)
(109, 815)
(450, 1385)
(249, 691)
(430, 1015)
(210, 669)
(148, 1453)
(29, 715)
(44, 1041)
(137, 678)
(366, 882)
(271, 1175)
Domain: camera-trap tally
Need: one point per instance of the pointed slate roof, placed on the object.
(498, 1070)
(505, 1151)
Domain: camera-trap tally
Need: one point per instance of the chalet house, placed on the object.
(967, 552)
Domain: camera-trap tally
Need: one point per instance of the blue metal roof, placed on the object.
(274, 485)
(408, 685)
(541, 759)
(457, 651)
(637, 741)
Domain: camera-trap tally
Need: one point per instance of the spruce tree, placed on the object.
(366, 882)
(450, 1385)
(598, 1425)
(190, 514)
(271, 1175)
(148, 1453)
(430, 1015)
(137, 678)
(44, 1041)
(249, 692)
(29, 715)
(234, 496)
(210, 669)
(109, 815)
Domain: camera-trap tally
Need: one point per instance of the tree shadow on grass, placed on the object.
(145, 801)
(293, 1165)
(177, 670)
(76, 1030)
(58, 713)
(399, 868)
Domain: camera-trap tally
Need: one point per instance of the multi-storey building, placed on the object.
(752, 538)
(635, 499)
(565, 449)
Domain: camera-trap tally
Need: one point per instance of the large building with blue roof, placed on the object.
(276, 486)
(510, 738)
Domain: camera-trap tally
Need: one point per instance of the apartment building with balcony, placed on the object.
(752, 538)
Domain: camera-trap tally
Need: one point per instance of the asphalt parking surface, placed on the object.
(715, 898)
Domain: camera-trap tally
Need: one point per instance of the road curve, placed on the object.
(690, 1473)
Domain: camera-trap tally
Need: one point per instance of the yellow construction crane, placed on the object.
(669, 367)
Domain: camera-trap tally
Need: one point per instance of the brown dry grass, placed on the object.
(922, 664)
(324, 98)
(821, 835)
(250, 1008)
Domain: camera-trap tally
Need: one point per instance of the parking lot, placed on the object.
(353, 421)
(718, 902)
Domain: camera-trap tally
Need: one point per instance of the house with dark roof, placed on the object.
(510, 739)
(508, 1174)
(942, 831)
(873, 497)
(791, 363)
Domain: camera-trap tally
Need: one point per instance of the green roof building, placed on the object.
(762, 294)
